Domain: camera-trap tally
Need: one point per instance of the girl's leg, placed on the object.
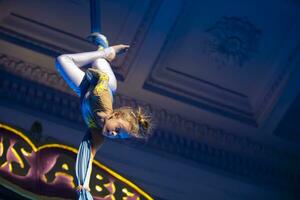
(105, 67)
(69, 65)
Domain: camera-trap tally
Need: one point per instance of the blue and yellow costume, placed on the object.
(96, 99)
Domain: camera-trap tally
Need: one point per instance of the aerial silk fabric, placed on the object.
(83, 168)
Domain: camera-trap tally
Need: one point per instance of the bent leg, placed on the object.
(70, 72)
(105, 67)
(68, 65)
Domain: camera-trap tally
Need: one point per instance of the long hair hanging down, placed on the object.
(140, 121)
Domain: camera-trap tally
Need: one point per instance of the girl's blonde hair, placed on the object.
(138, 119)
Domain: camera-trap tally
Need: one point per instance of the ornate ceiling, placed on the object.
(220, 75)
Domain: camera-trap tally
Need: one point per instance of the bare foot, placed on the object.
(121, 48)
(117, 50)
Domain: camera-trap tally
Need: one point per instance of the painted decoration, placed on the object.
(48, 171)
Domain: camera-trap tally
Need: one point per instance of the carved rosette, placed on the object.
(232, 42)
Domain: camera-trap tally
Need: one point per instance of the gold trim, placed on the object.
(72, 149)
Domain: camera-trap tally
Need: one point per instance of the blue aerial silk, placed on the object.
(83, 161)
(82, 167)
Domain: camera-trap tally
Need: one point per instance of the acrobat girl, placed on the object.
(96, 87)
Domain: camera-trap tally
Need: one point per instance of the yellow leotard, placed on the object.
(96, 100)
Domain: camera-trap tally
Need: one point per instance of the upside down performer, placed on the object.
(96, 87)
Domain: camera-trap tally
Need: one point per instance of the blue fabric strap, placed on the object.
(82, 164)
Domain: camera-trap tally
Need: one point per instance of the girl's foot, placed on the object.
(117, 50)
(80, 187)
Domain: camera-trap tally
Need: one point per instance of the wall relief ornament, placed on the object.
(232, 41)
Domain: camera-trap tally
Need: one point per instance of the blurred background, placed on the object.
(221, 79)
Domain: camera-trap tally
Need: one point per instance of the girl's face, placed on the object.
(116, 128)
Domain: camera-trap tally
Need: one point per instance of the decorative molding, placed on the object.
(210, 96)
(288, 128)
(277, 85)
(11, 30)
(41, 37)
(34, 96)
(234, 40)
(30, 43)
(202, 143)
(207, 96)
(138, 39)
(33, 72)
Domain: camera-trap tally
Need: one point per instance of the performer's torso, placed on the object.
(96, 99)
